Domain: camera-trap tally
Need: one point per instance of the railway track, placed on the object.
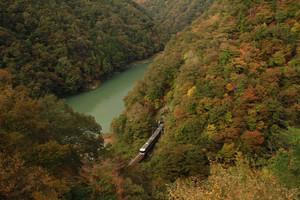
(148, 145)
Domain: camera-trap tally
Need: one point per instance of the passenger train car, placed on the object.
(149, 144)
(151, 141)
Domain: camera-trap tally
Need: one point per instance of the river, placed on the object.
(106, 102)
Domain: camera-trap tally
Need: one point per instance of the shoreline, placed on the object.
(149, 59)
(106, 102)
(99, 83)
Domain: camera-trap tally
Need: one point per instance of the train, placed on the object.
(149, 144)
(154, 137)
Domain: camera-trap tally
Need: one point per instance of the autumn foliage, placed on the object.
(238, 182)
(231, 84)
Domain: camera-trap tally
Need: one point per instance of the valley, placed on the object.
(226, 84)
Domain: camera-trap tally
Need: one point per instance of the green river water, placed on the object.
(106, 102)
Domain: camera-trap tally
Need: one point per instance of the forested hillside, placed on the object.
(231, 83)
(54, 48)
(42, 142)
(175, 15)
(227, 87)
(47, 151)
(62, 46)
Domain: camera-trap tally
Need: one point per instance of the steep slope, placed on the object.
(175, 15)
(231, 82)
(64, 46)
(47, 151)
(42, 143)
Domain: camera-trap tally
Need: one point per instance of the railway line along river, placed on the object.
(106, 102)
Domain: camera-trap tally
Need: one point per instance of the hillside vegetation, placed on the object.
(59, 47)
(231, 83)
(47, 151)
(227, 87)
(62, 47)
(175, 15)
(42, 143)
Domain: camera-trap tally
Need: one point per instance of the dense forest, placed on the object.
(175, 15)
(227, 86)
(62, 47)
(48, 152)
(42, 143)
(55, 48)
(231, 84)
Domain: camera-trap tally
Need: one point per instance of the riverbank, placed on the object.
(106, 102)
(151, 58)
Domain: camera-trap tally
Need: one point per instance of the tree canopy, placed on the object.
(231, 82)
(175, 15)
(62, 47)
